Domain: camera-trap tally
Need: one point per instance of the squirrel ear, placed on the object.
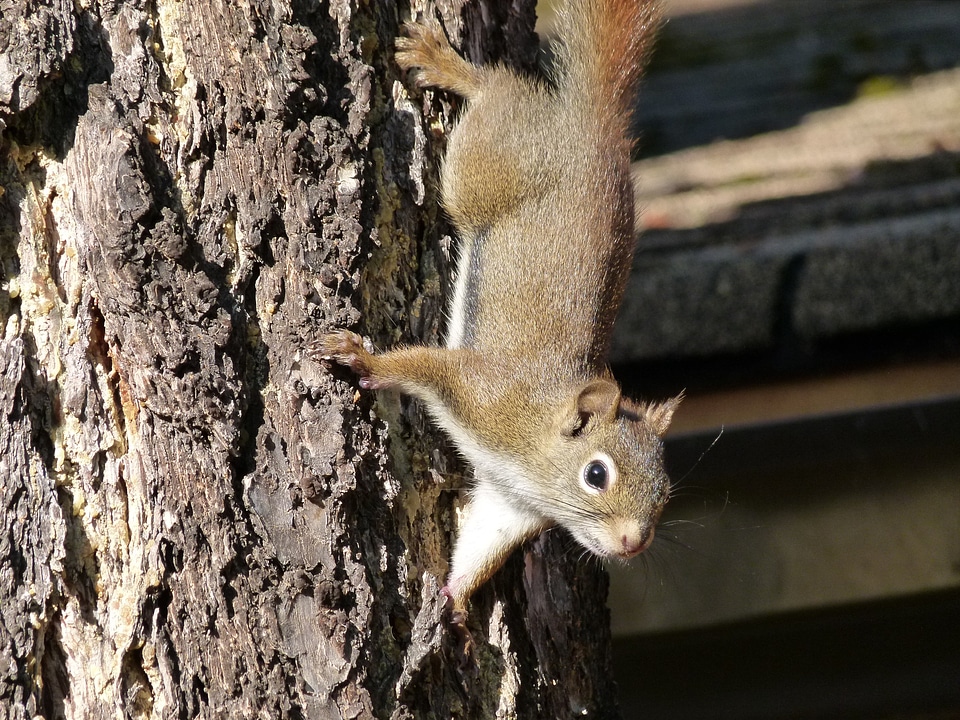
(599, 397)
(659, 415)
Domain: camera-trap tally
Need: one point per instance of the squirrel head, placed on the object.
(608, 453)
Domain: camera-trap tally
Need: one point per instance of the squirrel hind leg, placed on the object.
(427, 49)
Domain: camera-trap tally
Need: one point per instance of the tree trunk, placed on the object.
(199, 520)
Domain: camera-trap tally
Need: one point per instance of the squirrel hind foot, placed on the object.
(426, 50)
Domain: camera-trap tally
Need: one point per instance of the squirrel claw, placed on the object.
(426, 51)
(465, 641)
(458, 615)
(345, 348)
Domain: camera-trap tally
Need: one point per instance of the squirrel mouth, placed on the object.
(632, 544)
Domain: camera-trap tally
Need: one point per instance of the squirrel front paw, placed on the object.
(346, 348)
(458, 623)
(457, 609)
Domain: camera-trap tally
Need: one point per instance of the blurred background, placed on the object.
(799, 276)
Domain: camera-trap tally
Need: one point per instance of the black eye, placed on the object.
(595, 475)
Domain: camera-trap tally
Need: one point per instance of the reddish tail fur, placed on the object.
(607, 46)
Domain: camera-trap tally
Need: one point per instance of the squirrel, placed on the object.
(536, 181)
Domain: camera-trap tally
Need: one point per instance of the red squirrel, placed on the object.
(536, 181)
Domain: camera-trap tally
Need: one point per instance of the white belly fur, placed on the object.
(456, 311)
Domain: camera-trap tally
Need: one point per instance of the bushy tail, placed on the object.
(606, 44)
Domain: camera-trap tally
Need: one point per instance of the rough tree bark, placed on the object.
(198, 520)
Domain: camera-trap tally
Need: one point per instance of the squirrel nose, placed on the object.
(635, 540)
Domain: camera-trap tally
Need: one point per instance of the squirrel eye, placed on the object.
(599, 474)
(595, 475)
